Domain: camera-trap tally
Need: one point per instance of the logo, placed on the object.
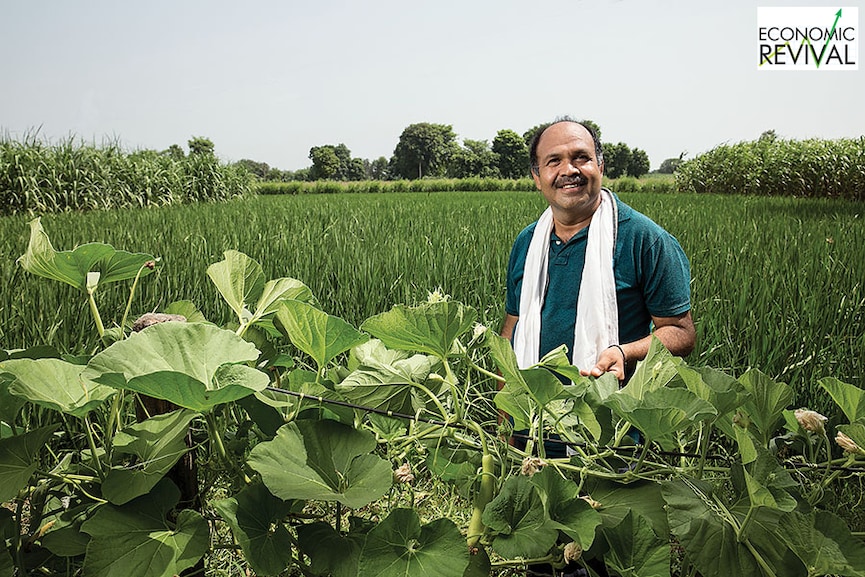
(818, 39)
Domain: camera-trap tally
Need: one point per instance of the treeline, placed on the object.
(427, 150)
(70, 175)
(771, 166)
(623, 184)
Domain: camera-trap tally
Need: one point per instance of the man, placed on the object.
(591, 253)
(592, 273)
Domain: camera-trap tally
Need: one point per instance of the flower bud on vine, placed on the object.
(848, 444)
(532, 465)
(572, 552)
(811, 421)
(403, 474)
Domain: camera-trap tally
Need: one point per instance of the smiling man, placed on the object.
(592, 273)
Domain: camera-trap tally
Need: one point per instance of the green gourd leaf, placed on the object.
(316, 333)
(138, 539)
(55, 384)
(429, 328)
(323, 460)
(400, 546)
(254, 516)
(193, 365)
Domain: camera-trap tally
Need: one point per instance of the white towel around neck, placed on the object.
(597, 322)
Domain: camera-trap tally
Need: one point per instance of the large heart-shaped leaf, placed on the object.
(849, 398)
(566, 510)
(399, 546)
(660, 411)
(18, 459)
(72, 267)
(768, 483)
(322, 460)
(55, 384)
(189, 364)
(429, 328)
(9, 403)
(824, 543)
(240, 281)
(137, 539)
(635, 550)
(657, 370)
(255, 518)
(157, 444)
(707, 531)
(318, 334)
(724, 392)
(617, 500)
(766, 403)
(384, 379)
(329, 552)
(518, 517)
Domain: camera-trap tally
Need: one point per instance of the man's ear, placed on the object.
(601, 167)
(537, 179)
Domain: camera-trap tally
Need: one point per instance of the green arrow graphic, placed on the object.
(828, 38)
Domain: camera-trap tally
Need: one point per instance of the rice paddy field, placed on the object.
(776, 282)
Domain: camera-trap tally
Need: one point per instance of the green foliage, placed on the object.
(474, 158)
(617, 158)
(283, 469)
(325, 163)
(639, 164)
(200, 145)
(36, 177)
(424, 149)
(513, 154)
(775, 167)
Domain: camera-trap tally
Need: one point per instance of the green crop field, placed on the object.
(373, 429)
(777, 282)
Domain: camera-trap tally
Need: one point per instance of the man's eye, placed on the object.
(552, 162)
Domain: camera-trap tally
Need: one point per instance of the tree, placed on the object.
(617, 158)
(259, 169)
(174, 151)
(424, 150)
(639, 164)
(358, 169)
(670, 165)
(513, 154)
(325, 162)
(474, 159)
(344, 155)
(529, 134)
(200, 145)
(378, 169)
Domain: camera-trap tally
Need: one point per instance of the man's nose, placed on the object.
(571, 167)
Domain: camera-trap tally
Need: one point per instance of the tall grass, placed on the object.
(775, 167)
(39, 177)
(777, 282)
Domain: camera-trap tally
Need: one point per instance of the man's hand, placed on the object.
(611, 360)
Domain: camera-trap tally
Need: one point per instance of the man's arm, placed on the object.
(676, 333)
(508, 326)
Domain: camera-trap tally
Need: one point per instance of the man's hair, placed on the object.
(533, 147)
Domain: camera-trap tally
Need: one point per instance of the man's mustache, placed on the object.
(578, 179)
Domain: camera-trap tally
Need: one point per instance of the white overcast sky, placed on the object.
(267, 80)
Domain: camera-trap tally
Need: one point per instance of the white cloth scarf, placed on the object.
(597, 322)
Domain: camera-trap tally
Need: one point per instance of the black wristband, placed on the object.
(621, 350)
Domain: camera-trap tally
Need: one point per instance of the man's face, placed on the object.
(568, 175)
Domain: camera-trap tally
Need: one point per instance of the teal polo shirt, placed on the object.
(652, 274)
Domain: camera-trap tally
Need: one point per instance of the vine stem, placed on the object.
(132, 290)
(88, 426)
(216, 437)
(94, 310)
